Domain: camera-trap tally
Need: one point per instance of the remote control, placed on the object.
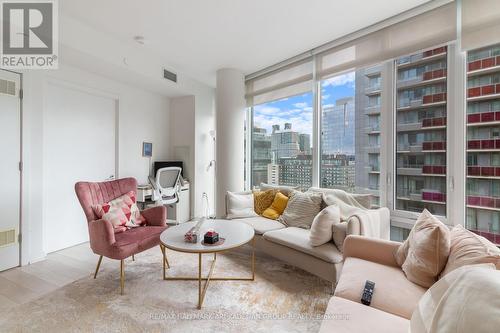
(368, 292)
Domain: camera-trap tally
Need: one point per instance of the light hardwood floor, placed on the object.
(23, 284)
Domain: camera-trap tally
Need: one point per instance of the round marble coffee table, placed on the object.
(235, 234)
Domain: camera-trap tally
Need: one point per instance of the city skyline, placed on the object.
(298, 109)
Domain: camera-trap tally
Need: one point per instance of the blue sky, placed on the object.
(298, 109)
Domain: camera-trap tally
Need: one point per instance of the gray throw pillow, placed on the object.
(301, 209)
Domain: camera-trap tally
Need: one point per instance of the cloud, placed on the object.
(326, 96)
(300, 105)
(340, 80)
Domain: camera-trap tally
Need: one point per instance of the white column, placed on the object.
(230, 118)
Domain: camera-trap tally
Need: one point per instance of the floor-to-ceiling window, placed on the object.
(483, 142)
(421, 131)
(350, 131)
(281, 142)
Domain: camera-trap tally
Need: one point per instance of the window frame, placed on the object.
(455, 135)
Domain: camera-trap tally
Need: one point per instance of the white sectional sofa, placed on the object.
(291, 245)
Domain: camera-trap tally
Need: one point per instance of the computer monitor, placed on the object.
(166, 164)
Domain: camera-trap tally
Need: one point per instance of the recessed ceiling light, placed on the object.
(140, 39)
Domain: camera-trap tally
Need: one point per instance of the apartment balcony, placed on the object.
(482, 65)
(424, 57)
(373, 149)
(406, 194)
(434, 146)
(372, 110)
(372, 71)
(484, 92)
(373, 129)
(409, 127)
(438, 170)
(437, 51)
(483, 144)
(425, 101)
(438, 75)
(492, 237)
(483, 171)
(486, 202)
(434, 98)
(434, 75)
(373, 90)
(477, 119)
(433, 196)
(434, 122)
(409, 148)
(409, 170)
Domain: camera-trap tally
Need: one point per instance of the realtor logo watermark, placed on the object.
(29, 34)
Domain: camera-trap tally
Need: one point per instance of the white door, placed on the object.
(79, 145)
(10, 175)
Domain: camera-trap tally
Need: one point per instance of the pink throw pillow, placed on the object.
(121, 212)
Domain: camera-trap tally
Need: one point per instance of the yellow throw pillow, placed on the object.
(262, 200)
(277, 207)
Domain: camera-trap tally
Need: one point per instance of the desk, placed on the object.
(177, 213)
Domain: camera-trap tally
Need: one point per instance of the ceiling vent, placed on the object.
(7, 87)
(170, 75)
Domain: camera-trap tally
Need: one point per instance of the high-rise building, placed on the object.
(483, 142)
(368, 118)
(305, 143)
(421, 131)
(338, 127)
(284, 143)
(261, 155)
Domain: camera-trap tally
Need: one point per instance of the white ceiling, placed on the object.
(197, 37)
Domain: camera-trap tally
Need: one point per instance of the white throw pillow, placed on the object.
(465, 300)
(321, 227)
(239, 205)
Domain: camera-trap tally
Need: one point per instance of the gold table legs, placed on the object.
(202, 290)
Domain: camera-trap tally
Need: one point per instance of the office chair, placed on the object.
(167, 185)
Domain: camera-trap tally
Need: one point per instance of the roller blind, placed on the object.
(288, 81)
(437, 26)
(419, 32)
(480, 23)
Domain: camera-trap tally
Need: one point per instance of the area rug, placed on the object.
(281, 299)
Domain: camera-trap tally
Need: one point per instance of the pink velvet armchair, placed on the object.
(103, 239)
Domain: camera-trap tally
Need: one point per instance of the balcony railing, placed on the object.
(434, 145)
(490, 89)
(483, 171)
(434, 169)
(483, 201)
(483, 117)
(483, 144)
(416, 147)
(433, 196)
(372, 109)
(483, 63)
(435, 74)
(434, 122)
(491, 236)
(433, 52)
(372, 89)
(434, 98)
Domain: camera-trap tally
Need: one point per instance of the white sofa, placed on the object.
(291, 245)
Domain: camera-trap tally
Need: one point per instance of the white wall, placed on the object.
(142, 116)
